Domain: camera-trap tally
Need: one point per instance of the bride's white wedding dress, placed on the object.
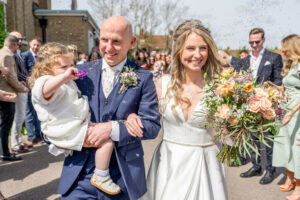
(184, 165)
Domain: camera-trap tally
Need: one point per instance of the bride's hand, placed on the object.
(298, 139)
(134, 125)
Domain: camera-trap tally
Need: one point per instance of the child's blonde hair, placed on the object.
(48, 57)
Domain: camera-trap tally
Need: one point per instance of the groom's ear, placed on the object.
(133, 39)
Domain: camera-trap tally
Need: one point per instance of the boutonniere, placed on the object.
(129, 78)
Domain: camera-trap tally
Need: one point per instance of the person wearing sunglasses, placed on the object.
(264, 66)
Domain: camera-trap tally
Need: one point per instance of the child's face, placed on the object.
(65, 63)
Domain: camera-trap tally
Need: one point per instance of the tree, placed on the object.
(2, 25)
(171, 15)
(147, 17)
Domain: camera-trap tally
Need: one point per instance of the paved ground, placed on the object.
(36, 178)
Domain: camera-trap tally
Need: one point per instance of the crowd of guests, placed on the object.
(270, 68)
(157, 61)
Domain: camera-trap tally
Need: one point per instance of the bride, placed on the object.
(184, 165)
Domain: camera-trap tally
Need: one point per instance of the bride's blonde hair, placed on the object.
(177, 74)
(291, 48)
(48, 57)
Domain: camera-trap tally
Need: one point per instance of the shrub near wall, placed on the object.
(2, 25)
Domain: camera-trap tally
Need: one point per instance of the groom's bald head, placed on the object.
(115, 39)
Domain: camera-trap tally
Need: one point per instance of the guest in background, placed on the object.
(286, 154)
(151, 63)
(228, 60)
(141, 60)
(9, 83)
(265, 66)
(130, 55)
(82, 58)
(6, 96)
(32, 122)
(17, 145)
(243, 54)
(73, 48)
(94, 55)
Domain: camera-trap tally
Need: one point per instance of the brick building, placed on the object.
(35, 18)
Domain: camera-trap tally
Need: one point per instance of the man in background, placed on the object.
(17, 145)
(8, 83)
(265, 66)
(32, 123)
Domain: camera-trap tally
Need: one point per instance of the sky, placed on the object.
(231, 20)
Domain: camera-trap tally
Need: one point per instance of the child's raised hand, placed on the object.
(71, 73)
(134, 125)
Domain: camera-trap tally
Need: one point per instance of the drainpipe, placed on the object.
(43, 23)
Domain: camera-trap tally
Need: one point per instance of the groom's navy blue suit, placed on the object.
(127, 163)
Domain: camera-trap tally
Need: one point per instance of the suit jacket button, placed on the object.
(70, 165)
(105, 103)
(137, 155)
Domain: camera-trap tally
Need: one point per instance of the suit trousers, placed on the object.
(32, 123)
(16, 130)
(269, 154)
(7, 112)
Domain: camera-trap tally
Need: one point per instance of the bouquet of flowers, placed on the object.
(241, 112)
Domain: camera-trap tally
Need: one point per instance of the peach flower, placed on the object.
(269, 114)
(260, 93)
(223, 111)
(265, 104)
(253, 105)
(248, 87)
(272, 92)
(233, 121)
(228, 72)
(226, 88)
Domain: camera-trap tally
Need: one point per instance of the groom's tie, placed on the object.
(108, 80)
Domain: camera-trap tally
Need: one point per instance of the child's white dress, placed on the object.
(64, 117)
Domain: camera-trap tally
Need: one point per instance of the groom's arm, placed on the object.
(148, 112)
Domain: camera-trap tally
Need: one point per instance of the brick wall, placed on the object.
(19, 17)
(67, 30)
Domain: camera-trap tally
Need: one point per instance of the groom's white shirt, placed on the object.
(115, 131)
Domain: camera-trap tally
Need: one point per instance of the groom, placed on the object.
(109, 110)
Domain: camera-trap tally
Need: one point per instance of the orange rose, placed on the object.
(233, 121)
(260, 93)
(228, 72)
(265, 104)
(253, 105)
(269, 114)
(272, 92)
(226, 88)
(248, 87)
(223, 112)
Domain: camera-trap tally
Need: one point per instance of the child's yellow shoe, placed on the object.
(105, 184)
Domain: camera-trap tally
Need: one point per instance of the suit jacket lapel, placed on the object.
(262, 63)
(96, 79)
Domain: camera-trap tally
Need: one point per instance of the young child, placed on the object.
(64, 112)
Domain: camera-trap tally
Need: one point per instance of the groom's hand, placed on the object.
(98, 134)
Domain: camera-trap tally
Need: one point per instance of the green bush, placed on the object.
(2, 25)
